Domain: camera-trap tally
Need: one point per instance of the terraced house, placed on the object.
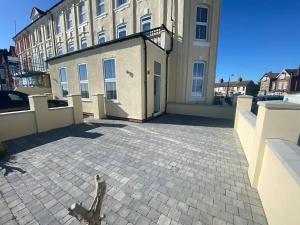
(146, 57)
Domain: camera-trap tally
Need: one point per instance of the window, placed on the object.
(40, 35)
(201, 23)
(101, 38)
(58, 26)
(63, 82)
(71, 46)
(100, 7)
(83, 80)
(83, 43)
(69, 20)
(146, 23)
(82, 13)
(33, 39)
(110, 79)
(197, 81)
(48, 32)
(121, 2)
(2, 73)
(49, 53)
(59, 50)
(122, 30)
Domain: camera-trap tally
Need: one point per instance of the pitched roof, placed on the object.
(293, 72)
(234, 83)
(271, 75)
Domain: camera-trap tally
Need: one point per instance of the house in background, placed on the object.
(286, 82)
(240, 87)
(9, 65)
(162, 52)
(268, 83)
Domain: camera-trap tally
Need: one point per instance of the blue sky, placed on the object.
(256, 36)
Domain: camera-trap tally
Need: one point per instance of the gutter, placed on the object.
(145, 78)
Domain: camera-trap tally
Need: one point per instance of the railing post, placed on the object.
(275, 119)
(98, 106)
(244, 103)
(38, 104)
(75, 102)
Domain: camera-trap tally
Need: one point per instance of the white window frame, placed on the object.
(63, 82)
(82, 14)
(206, 24)
(196, 94)
(100, 3)
(69, 20)
(110, 80)
(101, 34)
(143, 22)
(84, 81)
(82, 40)
(119, 30)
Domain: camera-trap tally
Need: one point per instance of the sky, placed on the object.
(256, 36)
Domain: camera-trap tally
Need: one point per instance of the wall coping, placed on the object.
(15, 112)
(250, 117)
(279, 105)
(245, 96)
(97, 94)
(74, 95)
(37, 96)
(289, 155)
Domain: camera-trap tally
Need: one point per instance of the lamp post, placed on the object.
(232, 75)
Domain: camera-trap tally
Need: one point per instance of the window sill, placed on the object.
(201, 43)
(197, 99)
(112, 100)
(82, 24)
(86, 100)
(121, 7)
(70, 29)
(101, 16)
(139, 1)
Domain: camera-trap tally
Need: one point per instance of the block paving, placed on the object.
(172, 170)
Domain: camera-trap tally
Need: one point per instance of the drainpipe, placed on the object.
(145, 78)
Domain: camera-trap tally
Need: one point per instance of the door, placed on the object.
(157, 86)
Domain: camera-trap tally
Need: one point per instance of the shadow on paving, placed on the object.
(192, 121)
(35, 140)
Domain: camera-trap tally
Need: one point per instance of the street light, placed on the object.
(232, 75)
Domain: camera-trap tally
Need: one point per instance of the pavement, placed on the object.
(171, 170)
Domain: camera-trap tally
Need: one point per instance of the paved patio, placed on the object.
(172, 170)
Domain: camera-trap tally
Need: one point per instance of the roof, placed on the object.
(271, 75)
(132, 36)
(234, 84)
(44, 13)
(293, 72)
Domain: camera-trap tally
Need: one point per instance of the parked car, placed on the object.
(17, 101)
(257, 99)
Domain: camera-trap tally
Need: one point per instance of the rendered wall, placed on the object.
(17, 124)
(211, 111)
(128, 56)
(39, 118)
(33, 91)
(279, 182)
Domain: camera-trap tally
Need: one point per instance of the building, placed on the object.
(9, 65)
(268, 83)
(133, 39)
(240, 87)
(286, 82)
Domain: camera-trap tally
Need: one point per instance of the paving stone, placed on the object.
(173, 170)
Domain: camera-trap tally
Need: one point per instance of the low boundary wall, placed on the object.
(39, 118)
(211, 111)
(270, 145)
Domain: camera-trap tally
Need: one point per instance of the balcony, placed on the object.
(160, 36)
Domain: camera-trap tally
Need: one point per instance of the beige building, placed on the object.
(101, 46)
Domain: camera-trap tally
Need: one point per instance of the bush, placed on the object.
(2, 150)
